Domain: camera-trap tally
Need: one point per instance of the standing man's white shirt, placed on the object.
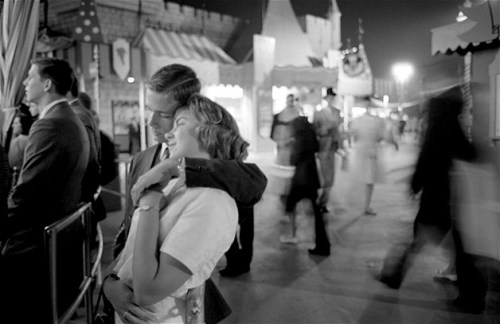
(46, 109)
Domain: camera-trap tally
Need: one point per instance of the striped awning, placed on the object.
(446, 38)
(462, 36)
(183, 46)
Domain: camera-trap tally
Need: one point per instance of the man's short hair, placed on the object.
(176, 79)
(58, 71)
(85, 100)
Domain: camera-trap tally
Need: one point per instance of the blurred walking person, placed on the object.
(444, 141)
(282, 131)
(326, 125)
(368, 131)
(305, 184)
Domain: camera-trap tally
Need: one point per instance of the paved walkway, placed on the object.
(286, 285)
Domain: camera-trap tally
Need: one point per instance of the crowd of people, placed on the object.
(311, 148)
(190, 198)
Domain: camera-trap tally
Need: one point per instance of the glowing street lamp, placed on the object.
(402, 72)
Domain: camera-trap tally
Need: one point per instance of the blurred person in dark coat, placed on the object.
(20, 130)
(49, 188)
(444, 141)
(5, 185)
(305, 184)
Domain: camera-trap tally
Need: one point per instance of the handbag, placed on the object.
(216, 307)
(106, 315)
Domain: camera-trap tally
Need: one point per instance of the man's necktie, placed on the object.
(164, 155)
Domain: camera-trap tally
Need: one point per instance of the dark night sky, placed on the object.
(395, 30)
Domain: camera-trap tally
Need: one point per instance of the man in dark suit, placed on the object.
(168, 89)
(91, 179)
(49, 188)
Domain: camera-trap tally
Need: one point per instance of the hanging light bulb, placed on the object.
(461, 17)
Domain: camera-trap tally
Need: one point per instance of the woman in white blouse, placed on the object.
(178, 234)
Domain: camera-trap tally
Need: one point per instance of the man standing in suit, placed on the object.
(169, 88)
(326, 125)
(49, 188)
(92, 174)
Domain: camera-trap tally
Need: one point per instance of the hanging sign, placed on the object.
(121, 58)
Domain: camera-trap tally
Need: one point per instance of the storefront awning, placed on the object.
(184, 46)
(207, 59)
(304, 76)
(460, 36)
(446, 38)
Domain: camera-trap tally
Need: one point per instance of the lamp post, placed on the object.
(401, 72)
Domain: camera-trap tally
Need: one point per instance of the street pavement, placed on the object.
(287, 285)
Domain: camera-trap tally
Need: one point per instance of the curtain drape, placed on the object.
(18, 32)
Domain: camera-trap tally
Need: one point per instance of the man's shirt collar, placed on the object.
(46, 109)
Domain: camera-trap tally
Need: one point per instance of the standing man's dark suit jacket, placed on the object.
(91, 180)
(49, 189)
(49, 186)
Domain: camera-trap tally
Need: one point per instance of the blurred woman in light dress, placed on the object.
(282, 131)
(368, 131)
(282, 134)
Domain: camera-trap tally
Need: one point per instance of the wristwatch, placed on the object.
(113, 276)
(146, 208)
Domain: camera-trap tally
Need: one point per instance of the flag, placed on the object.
(87, 27)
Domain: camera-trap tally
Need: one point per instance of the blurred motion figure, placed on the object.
(444, 141)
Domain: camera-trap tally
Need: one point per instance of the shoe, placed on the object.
(370, 212)
(390, 282)
(319, 252)
(469, 306)
(233, 272)
(289, 240)
(444, 275)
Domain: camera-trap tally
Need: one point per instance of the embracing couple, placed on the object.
(185, 201)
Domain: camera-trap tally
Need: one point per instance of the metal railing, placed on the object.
(53, 233)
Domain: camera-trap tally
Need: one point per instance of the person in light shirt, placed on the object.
(178, 234)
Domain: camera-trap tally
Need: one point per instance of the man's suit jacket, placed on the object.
(49, 186)
(91, 180)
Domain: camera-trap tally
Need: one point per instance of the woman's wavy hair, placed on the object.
(218, 133)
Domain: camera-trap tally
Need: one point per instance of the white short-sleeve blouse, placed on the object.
(197, 228)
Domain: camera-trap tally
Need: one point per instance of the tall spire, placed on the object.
(361, 31)
(334, 15)
(292, 46)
